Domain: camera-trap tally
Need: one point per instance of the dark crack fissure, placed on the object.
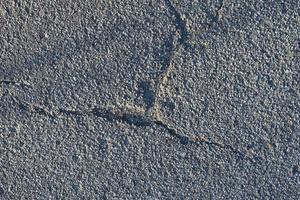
(140, 120)
(33, 108)
(133, 118)
(180, 23)
(130, 118)
(136, 119)
(12, 82)
(220, 145)
(8, 82)
(172, 47)
(175, 42)
(217, 14)
(182, 138)
(111, 116)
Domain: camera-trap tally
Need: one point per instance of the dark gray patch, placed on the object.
(169, 106)
(1, 191)
(283, 7)
(103, 148)
(295, 170)
(137, 120)
(147, 93)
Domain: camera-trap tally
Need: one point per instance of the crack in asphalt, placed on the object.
(218, 144)
(219, 8)
(152, 115)
(180, 23)
(12, 82)
(127, 117)
(131, 118)
(178, 40)
(33, 108)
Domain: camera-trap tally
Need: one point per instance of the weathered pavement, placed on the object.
(148, 99)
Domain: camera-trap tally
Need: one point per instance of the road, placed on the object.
(162, 99)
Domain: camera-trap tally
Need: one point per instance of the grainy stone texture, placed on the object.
(161, 99)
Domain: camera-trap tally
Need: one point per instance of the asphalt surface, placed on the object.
(139, 99)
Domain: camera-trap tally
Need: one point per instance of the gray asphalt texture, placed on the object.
(143, 99)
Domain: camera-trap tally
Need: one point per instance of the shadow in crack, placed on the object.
(147, 92)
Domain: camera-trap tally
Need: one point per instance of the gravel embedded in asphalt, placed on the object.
(162, 99)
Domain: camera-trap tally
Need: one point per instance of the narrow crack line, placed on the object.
(140, 120)
(33, 108)
(180, 23)
(219, 8)
(179, 39)
(218, 144)
(177, 42)
(12, 82)
(73, 112)
(130, 118)
(167, 64)
(172, 131)
(136, 119)
(112, 115)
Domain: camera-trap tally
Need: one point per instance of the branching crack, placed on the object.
(128, 117)
(152, 115)
(131, 118)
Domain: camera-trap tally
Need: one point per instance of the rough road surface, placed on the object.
(144, 99)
